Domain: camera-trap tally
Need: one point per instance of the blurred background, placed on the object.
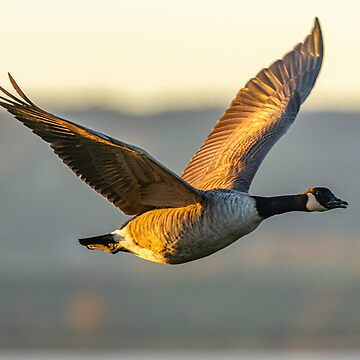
(158, 75)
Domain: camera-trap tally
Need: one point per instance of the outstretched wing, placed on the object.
(126, 175)
(259, 115)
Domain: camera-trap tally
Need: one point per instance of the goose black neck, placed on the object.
(275, 205)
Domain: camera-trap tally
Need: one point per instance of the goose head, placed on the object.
(322, 199)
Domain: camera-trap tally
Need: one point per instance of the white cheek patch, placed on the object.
(313, 205)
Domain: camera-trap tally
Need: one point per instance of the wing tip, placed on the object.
(317, 36)
(317, 28)
(13, 82)
(19, 91)
(10, 77)
(10, 99)
(317, 23)
(22, 101)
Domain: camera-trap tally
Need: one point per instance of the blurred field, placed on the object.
(292, 284)
(177, 355)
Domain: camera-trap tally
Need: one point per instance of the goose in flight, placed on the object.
(180, 219)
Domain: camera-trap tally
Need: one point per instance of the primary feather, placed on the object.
(125, 174)
(174, 222)
(259, 115)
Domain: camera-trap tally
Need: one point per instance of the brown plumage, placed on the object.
(125, 174)
(179, 219)
(259, 115)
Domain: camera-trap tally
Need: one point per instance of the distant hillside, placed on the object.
(292, 283)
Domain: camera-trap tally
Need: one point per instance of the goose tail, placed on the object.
(102, 242)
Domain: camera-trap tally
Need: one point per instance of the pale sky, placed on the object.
(144, 55)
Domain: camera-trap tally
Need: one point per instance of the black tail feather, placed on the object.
(102, 242)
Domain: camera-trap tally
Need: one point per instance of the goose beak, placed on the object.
(336, 203)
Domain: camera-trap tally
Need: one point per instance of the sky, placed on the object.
(146, 56)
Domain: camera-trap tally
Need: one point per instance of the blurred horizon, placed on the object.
(148, 57)
(159, 75)
(292, 284)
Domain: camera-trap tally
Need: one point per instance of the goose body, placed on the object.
(180, 219)
(178, 235)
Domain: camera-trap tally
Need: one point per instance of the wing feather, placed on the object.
(125, 174)
(258, 116)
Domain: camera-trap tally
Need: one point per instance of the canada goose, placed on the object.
(180, 219)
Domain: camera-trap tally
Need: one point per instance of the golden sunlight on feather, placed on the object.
(181, 219)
